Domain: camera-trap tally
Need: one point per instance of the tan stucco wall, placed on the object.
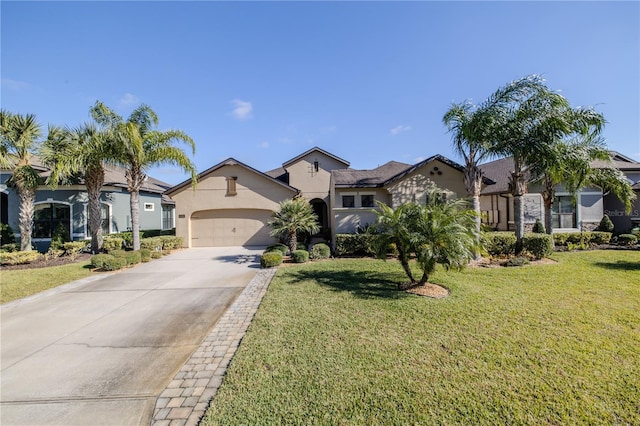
(312, 184)
(413, 187)
(253, 192)
(346, 220)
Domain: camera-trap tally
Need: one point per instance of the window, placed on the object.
(104, 216)
(563, 212)
(49, 216)
(231, 185)
(366, 200)
(316, 166)
(167, 217)
(348, 201)
(149, 207)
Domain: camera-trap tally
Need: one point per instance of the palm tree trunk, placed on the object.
(293, 241)
(548, 194)
(93, 182)
(404, 261)
(518, 189)
(27, 197)
(135, 218)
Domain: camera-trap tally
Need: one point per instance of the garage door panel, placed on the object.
(223, 228)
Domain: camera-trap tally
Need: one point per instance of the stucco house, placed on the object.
(233, 202)
(68, 205)
(583, 214)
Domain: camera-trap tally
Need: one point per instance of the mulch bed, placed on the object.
(42, 262)
(430, 290)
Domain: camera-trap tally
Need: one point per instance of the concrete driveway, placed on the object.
(100, 352)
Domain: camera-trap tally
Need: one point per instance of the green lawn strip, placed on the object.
(21, 283)
(334, 343)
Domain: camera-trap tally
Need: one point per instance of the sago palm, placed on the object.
(140, 146)
(19, 136)
(292, 217)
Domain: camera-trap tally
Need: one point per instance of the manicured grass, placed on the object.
(335, 343)
(25, 282)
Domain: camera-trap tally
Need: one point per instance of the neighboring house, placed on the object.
(233, 202)
(68, 205)
(569, 214)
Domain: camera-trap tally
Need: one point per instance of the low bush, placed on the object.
(300, 256)
(601, 237)
(606, 225)
(98, 260)
(354, 244)
(270, 259)
(627, 239)
(539, 245)
(112, 243)
(114, 263)
(7, 236)
(18, 257)
(170, 242)
(581, 239)
(516, 261)
(73, 248)
(59, 236)
(278, 247)
(118, 253)
(145, 255)
(538, 227)
(132, 257)
(499, 243)
(156, 254)
(320, 251)
(10, 247)
(153, 244)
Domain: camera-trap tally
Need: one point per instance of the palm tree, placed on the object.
(441, 232)
(293, 216)
(19, 136)
(80, 153)
(139, 146)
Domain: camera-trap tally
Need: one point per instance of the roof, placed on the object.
(618, 161)
(228, 162)
(368, 178)
(437, 157)
(315, 148)
(500, 172)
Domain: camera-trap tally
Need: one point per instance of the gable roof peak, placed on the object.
(314, 149)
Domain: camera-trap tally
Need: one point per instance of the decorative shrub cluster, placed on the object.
(627, 239)
(499, 243)
(111, 243)
(581, 239)
(18, 257)
(145, 255)
(539, 245)
(538, 227)
(516, 261)
(277, 247)
(300, 256)
(320, 251)
(269, 259)
(354, 244)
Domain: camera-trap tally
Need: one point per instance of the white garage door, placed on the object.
(224, 228)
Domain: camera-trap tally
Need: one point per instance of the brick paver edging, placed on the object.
(187, 397)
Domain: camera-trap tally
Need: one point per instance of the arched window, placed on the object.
(49, 216)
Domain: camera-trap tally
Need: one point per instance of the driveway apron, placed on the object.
(101, 351)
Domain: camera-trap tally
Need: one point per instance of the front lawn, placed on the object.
(15, 284)
(335, 343)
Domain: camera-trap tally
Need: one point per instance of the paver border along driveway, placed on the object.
(102, 352)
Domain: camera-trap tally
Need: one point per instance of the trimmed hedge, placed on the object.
(156, 254)
(539, 245)
(270, 259)
(114, 263)
(98, 260)
(627, 239)
(18, 257)
(112, 243)
(72, 249)
(606, 225)
(132, 257)
(300, 256)
(354, 244)
(320, 251)
(581, 239)
(170, 242)
(153, 244)
(145, 255)
(277, 247)
(499, 243)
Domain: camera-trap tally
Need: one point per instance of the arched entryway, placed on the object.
(320, 209)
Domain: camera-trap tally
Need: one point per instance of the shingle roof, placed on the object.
(499, 171)
(368, 178)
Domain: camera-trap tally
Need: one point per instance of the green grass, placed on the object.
(334, 343)
(25, 282)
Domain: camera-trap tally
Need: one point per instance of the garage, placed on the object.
(230, 227)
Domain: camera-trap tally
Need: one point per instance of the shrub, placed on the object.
(7, 236)
(499, 243)
(516, 261)
(627, 239)
(320, 251)
(300, 256)
(98, 260)
(145, 255)
(605, 224)
(18, 257)
(153, 244)
(278, 247)
(538, 227)
(354, 244)
(60, 236)
(601, 237)
(73, 248)
(170, 242)
(539, 245)
(270, 259)
(156, 254)
(112, 243)
(114, 263)
(132, 257)
(118, 253)
(10, 247)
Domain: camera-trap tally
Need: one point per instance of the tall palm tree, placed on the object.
(139, 146)
(440, 232)
(81, 153)
(293, 216)
(19, 136)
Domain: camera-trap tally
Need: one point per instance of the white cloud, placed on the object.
(241, 109)
(15, 84)
(128, 99)
(401, 128)
(263, 145)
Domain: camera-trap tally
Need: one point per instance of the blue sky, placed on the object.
(264, 81)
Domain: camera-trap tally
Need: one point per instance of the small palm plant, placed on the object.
(441, 232)
(293, 216)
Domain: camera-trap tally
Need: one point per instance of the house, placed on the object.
(568, 214)
(233, 202)
(68, 205)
